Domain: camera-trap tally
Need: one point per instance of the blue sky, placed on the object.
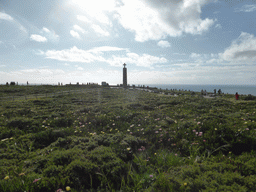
(162, 42)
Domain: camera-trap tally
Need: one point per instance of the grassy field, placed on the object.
(103, 139)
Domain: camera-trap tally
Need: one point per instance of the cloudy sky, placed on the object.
(162, 42)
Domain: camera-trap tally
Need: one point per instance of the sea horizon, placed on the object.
(227, 89)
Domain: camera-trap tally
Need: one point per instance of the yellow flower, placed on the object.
(68, 188)
(216, 129)
(154, 153)
(185, 184)
(128, 149)
(7, 177)
(21, 174)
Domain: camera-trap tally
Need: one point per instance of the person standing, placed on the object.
(237, 96)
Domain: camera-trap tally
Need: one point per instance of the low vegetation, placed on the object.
(104, 139)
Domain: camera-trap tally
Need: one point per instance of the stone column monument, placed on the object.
(124, 76)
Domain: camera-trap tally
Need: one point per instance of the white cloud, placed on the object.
(163, 44)
(38, 38)
(97, 9)
(143, 60)
(78, 28)
(243, 49)
(100, 31)
(83, 18)
(154, 20)
(5, 16)
(195, 55)
(2, 65)
(218, 26)
(246, 8)
(74, 34)
(73, 55)
(80, 68)
(97, 54)
(50, 34)
(46, 30)
(106, 48)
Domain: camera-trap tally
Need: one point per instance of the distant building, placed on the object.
(103, 83)
(12, 83)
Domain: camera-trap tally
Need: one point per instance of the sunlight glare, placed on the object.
(95, 6)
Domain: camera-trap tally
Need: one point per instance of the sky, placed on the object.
(161, 41)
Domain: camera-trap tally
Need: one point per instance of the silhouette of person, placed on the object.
(237, 96)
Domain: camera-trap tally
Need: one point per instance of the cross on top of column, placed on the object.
(124, 65)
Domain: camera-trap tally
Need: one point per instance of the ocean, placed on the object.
(227, 89)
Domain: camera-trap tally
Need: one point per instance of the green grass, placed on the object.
(99, 139)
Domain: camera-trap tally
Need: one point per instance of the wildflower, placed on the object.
(216, 129)
(68, 188)
(36, 180)
(200, 134)
(21, 174)
(4, 139)
(198, 123)
(128, 149)
(59, 190)
(238, 130)
(7, 177)
(204, 140)
(245, 122)
(151, 176)
(194, 130)
(154, 153)
(156, 131)
(160, 129)
(131, 133)
(176, 154)
(185, 184)
(247, 129)
(128, 130)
